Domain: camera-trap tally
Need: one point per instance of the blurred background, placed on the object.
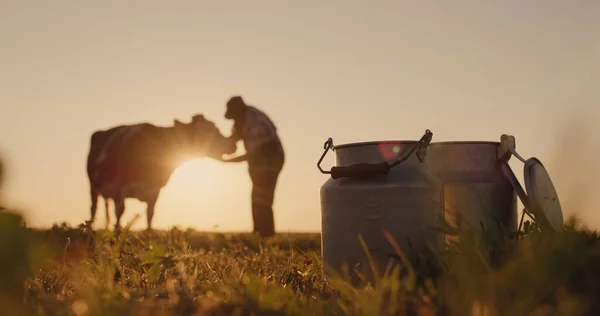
(351, 70)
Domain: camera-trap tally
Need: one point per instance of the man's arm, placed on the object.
(235, 137)
(241, 158)
(256, 130)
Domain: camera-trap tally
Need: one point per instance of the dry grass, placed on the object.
(76, 271)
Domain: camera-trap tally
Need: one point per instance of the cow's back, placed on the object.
(147, 152)
(97, 146)
(108, 151)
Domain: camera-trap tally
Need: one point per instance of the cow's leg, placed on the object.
(107, 213)
(119, 210)
(94, 196)
(151, 203)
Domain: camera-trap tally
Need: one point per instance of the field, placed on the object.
(77, 271)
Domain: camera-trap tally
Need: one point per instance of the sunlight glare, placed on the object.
(193, 175)
(205, 193)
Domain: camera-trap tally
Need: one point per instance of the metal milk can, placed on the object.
(476, 192)
(481, 190)
(376, 187)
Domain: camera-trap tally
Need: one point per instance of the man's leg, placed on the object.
(263, 194)
(264, 172)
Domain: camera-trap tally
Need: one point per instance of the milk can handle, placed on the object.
(364, 170)
(327, 146)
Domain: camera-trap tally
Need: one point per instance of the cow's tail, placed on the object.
(96, 144)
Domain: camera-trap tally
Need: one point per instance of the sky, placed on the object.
(351, 70)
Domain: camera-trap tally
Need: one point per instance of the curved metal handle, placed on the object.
(420, 147)
(327, 146)
(423, 144)
(365, 170)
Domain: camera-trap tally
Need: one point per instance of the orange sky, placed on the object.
(351, 70)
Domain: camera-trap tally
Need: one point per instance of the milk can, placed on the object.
(376, 187)
(481, 190)
(475, 189)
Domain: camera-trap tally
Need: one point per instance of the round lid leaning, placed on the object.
(542, 195)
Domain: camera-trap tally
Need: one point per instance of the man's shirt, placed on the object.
(258, 130)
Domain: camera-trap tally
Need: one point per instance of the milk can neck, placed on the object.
(376, 152)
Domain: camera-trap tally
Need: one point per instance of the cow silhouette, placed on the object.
(136, 161)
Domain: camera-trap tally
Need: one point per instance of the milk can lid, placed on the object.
(542, 195)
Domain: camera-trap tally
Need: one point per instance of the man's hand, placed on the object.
(236, 159)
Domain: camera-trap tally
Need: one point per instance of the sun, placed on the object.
(194, 174)
(204, 193)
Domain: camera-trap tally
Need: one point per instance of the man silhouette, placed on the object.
(265, 157)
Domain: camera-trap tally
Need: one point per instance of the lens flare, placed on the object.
(388, 150)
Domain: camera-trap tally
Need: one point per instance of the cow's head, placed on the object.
(201, 137)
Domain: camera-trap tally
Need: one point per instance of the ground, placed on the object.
(77, 271)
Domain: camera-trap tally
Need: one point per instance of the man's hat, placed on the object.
(235, 104)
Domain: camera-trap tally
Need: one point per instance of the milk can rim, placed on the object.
(468, 142)
(383, 142)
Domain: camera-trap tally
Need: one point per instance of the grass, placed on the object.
(77, 271)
